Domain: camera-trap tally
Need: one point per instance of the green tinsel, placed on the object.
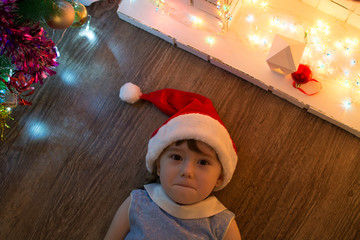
(35, 10)
(2, 87)
(4, 62)
(5, 68)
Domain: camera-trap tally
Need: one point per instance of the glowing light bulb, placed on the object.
(264, 4)
(275, 21)
(307, 52)
(250, 18)
(283, 25)
(264, 41)
(323, 27)
(321, 65)
(347, 104)
(331, 71)
(254, 39)
(348, 41)
(197, 21)
(338, 44)
(210, 40)
(347, 50)
(326, 31)
(316, 40)
(313, 31)
(293, 28)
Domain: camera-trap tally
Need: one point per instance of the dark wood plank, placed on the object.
(74, 156)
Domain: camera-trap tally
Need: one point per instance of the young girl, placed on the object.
(190, 156)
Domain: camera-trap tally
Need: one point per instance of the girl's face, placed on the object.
(187, 176)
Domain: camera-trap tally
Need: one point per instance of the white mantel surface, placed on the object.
(230, 53)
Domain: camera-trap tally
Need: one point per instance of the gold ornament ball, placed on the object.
(63, 15)
(80, 14)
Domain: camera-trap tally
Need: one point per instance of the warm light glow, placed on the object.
(264, 4)
(333, 57)
(196, 21)
(250, 18)
(264, 41)
(347, 104)
(160, 4)
(338, 44)
(321, 65)
(323, 27)
(254, 39)
(210, 40)
(275, 21)
(307, 53)
(293, 29)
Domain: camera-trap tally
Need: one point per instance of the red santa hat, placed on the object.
(192, 116)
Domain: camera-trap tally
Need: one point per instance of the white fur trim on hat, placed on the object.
(199, 127)
(130, 93)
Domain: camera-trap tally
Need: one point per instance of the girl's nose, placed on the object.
(187, 169)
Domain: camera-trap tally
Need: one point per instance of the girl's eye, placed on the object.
(204, 162)
(175, 157)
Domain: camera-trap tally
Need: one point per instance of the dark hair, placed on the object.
(191, 143)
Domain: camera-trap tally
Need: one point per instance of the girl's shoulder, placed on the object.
(140, 196)
(138, 192)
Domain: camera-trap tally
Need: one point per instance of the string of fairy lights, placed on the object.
(334, 58)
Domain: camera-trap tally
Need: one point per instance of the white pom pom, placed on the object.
(130, 93)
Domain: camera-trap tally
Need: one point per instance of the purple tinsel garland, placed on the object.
(33, 54)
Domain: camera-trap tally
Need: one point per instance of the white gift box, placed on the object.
(285, 54)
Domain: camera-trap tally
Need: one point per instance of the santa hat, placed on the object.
(192, 116)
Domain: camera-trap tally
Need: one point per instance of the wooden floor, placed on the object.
(73, 157)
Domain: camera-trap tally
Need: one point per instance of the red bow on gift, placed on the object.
(301, 76)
